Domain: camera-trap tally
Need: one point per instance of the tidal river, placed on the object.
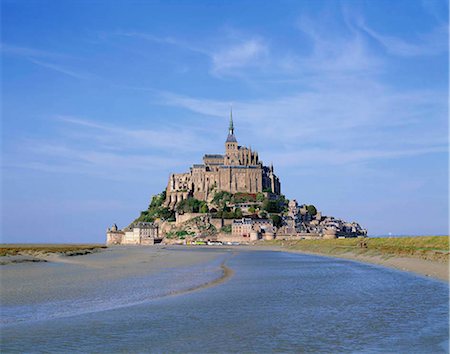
(133, 300)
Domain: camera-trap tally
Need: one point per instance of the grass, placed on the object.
(434, 248)
(32, 249)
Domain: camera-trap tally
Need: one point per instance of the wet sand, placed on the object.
(62, 278)
(433, 269)
(157, 257)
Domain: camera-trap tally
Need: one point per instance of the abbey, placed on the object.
(239, 170)
(232, 197)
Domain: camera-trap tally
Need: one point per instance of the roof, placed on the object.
(213, 156)
(231, 138)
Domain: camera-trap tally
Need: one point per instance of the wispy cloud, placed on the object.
(30, 52)
(108, 151)
(46, 59)
(169, 40)
(322, 157)
(226, 53)
(251, 52)
(168, 137)
(432, 43)
(343, 123)
(62, 70)
(69, 158)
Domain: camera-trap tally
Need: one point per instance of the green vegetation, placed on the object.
(204, 208)
(156, 210)
(192, 205)
(434, 248)
(243, 198)
(275, 206)
(226, 229)
(267, 190)
(228, 214)
(271, 206)
(260, 197)
(30, 249)
(180, 234)
(221, 199)
(276, 219)
(311, 210)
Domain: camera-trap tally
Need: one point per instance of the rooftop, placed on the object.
(231, 138)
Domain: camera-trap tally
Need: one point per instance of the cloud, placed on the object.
(438, 9)
(427, 44)
(345, 124)
(237, 56)
(168, 137)
(67, 158)
(30, 52)
(321, 157)
(62, 70)
(108, 151)
(169, 40)
(226, 53)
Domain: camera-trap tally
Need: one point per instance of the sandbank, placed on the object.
(434, 269)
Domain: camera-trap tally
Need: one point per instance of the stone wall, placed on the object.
(114, 237)
(299, 236)
(182, 218)
(232, 238)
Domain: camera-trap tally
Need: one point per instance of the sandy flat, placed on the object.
(64, 276)
(434, 269)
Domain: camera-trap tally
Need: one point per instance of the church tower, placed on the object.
(231, 145)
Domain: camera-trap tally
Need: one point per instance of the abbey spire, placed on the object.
(231, 127)
(231, 138)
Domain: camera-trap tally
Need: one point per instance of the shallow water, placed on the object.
(275, 301)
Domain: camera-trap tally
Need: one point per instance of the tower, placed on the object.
(231, 145)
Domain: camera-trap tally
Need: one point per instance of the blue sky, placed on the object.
(102, 100)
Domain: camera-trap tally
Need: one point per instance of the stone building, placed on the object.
(141, 233)
(248, 229)
(114, 236)
(238, 170)
(299, 222)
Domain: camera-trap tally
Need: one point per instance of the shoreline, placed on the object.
(422, 267)
(42, 253)
(227, 273)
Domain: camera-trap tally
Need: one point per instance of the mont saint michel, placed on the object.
(232, 197)
(224, 176)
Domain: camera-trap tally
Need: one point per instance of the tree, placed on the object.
(157, 200)
(277, 220)
(251, 210)
(226, 229)
(204, 208)
(243, 197)
(165, 214)
(221, 199)
(190, 205)
(271, 206)
(311, 210)
(260, 197)
(238, 213)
